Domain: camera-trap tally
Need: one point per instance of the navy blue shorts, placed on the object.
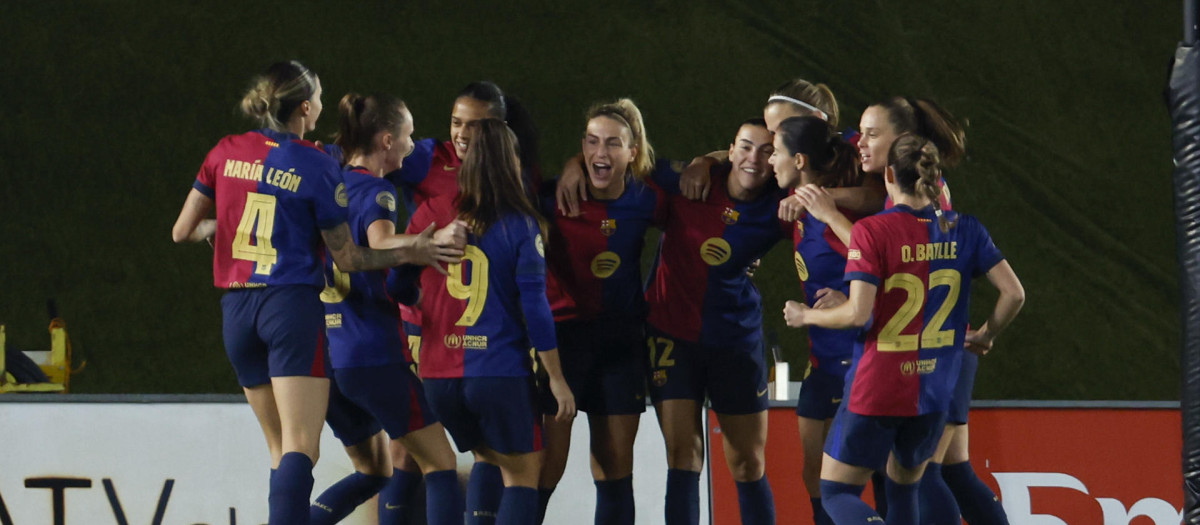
(734, 378)
(960, 405)
(820, 394)
(866, 441)
(604, 364)
(391, 394)
(276, 331)
(350, 423)
(496, 412)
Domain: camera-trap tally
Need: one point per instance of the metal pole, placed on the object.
(1190, 31)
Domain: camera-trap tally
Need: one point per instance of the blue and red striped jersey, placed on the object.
(361, 319)
(943, 198)
(699, 290)
(907, 361)
(474, 321)
(595, 259)
(273, 194)
(820, 259)
(430, 171)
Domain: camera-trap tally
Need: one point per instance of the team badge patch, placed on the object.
(659, 378)
(605, 264)
(730, 216)
(541, 248)
(801, 268)
(853, 254)
(608, 227)
(715, 251)
(340, 196)
(386, 200)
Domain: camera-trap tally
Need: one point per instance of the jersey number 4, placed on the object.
(473, 292)
(253, 239)
(891, 340)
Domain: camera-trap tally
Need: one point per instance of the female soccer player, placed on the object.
(430, 172)
(595, 259)
(366, 343)
(481, 321)
(277, 198)
(810, 157)
(705, 327)
(906, 267)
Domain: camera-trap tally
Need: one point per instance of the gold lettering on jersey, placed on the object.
(333, 320)
(608, 227)
(475, 342)
(238, 169)
(926, 366)
(920, 366)
(801, 268)
(237, 286)
(286, 180)
(715, 251)
(604, 264)
(930, 251)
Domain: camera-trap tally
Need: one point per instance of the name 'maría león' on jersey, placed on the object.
(239, 169)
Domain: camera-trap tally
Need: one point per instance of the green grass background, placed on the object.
(108, 107)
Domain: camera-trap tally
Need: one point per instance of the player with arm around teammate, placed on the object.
(277, 198)
(481, 320)
(366, 343)
(704, 328)
(599, 308)
(906, 267)
(810, 157)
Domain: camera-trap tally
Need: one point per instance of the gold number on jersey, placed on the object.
(663, 360)
(932, 336)
(475, 291)
(258, 220)
(339, 289)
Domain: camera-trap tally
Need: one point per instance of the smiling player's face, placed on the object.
(466, 110)
(878, 134)
(748, 156)
(607, 151)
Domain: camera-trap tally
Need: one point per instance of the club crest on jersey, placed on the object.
(608, 227)
(453, 341)
(340, 196)
(386, 200)
(605, 264)
(715, 251)
(730, 216)
(801, 268)
(659, 378)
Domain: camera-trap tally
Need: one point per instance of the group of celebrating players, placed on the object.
(327, 305)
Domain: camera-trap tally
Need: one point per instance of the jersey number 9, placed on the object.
(473, 290)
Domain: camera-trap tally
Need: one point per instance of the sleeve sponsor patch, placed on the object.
(386, 200)
(853, 254)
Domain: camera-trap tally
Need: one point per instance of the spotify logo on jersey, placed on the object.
(715, 251)
(605, 264)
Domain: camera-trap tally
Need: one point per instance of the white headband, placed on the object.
(780, 98)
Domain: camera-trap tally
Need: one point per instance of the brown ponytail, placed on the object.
(276, 94)
(917, 162)
(361, 118)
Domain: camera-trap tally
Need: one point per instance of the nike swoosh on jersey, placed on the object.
(389, 506)
(836, 400)
(449, 168)
(763, 393)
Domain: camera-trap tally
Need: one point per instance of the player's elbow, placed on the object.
(860, 318)
(180, 235)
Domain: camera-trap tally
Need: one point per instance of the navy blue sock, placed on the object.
(341, 498)
(820, 517)
(979, 505)
(291, 486)
(543, 502)
(903, 508)
(484, 490)
(519, 506)
(936, 501)
(614, 501)
(683, 497)
(844, 503)
(756, 502)
(443, 498)
(879, 490)
(395, 499)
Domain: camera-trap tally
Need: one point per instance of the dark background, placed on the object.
(107, 109)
